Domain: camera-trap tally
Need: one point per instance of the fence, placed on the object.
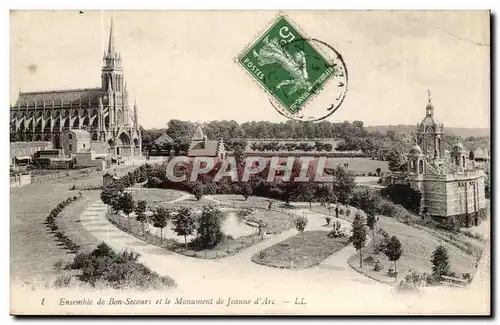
(63, 174)
(453, 282)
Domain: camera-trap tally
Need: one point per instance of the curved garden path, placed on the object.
(330, 284)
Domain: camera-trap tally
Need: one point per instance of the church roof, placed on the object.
(198, 149)
(66, 96)
(198, 133)
(164, 138)
(481, 153)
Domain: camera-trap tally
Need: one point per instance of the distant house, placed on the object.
(162, 139)
(202, 147)
(481, 154)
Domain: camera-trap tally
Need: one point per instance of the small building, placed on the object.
(74, 141)
(163, 139)
(202, 147)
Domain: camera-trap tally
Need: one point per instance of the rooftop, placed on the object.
(57, 97)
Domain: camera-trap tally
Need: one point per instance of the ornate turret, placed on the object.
(430, 132)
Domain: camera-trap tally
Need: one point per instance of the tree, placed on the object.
(440, 262)
(246, 190)
(393, 251)
(343, 184)
(184, 223)
(304, 192)
(365, 199)
(324, 193)
(300, 225)
(111, 193)
(140, 213)
(160, 220)
(126, 204)
(198, 190)
(471, 155)
(371, 222)
(358, 237)
(210, 227)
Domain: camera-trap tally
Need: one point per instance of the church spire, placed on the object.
(111, 42)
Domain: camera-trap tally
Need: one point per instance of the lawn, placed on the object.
(155, 196)
(33, 249)
(305, 250)
(418, 244)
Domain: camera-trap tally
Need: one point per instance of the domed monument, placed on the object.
(451, 187)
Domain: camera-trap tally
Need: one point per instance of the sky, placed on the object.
(181, 64)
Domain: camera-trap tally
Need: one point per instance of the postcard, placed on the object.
(250, 162)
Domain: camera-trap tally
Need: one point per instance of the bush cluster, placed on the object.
(67, 242)
(118, 270)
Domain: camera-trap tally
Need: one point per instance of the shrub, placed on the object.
(120, 270)
(467, 277)
(391, 273)
(62, 281)
(336, 231)
(377, 266)
(262, 255)
(103, 250)
(369, 260)
(59, 266)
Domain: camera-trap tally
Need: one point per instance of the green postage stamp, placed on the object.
(293, 70)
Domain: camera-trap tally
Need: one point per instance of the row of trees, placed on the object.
(185, 223)
(291, 146)
(354, 134)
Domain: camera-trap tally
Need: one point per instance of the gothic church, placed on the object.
(104, 112)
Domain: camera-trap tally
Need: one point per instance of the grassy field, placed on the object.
(33, 249)
(359, 165)
(155, 196)
(418, 244)
(305, 251)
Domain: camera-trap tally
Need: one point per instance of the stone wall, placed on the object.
(434, 197)
(19, 180)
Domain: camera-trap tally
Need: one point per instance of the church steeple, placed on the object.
(111, 41)
(112, 71)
